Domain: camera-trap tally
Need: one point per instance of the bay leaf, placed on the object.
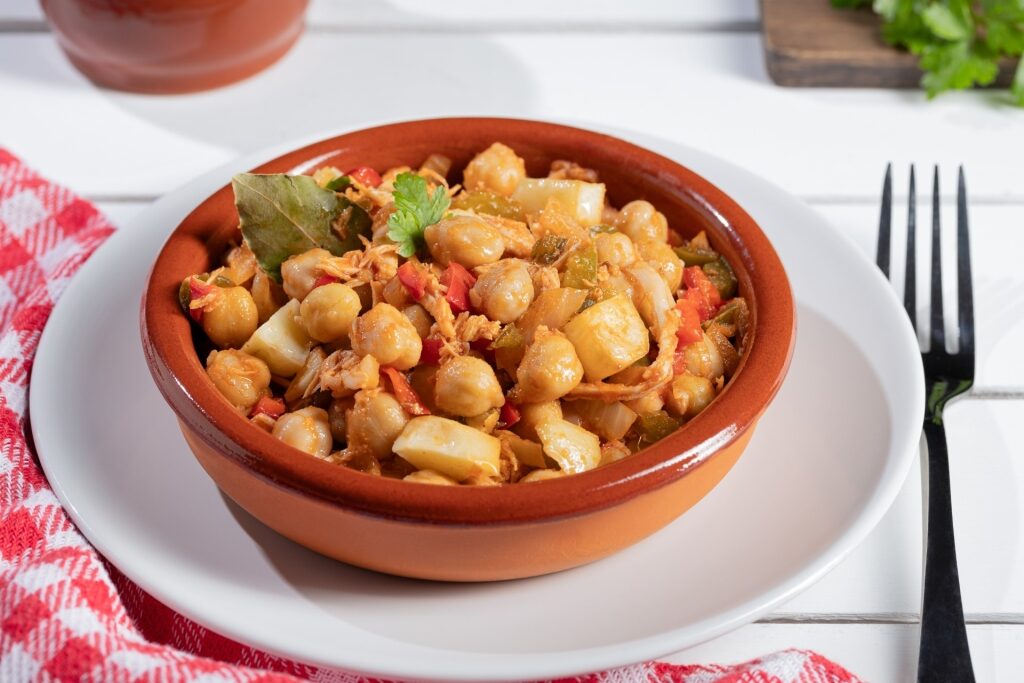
(283, 215)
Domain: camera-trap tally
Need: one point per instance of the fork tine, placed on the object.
(885, 224)
(910, 276)
(965, 289)
(938, 331)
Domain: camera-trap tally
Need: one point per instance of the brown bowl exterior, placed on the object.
(174, 46)
(476, 533)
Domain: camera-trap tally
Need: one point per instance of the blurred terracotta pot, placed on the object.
(173, 46)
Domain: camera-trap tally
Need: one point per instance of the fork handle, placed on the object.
(945, 656)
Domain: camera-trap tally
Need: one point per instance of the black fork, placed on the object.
(944, 654)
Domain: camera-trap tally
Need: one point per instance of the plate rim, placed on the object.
(549, 664)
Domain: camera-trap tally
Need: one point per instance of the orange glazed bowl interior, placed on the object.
(472, 533)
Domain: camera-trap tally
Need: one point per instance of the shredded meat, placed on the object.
(517, 237)
(374, 263)
(344, 372)
(560, 168)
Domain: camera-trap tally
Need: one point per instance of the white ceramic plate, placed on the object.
(824, 465)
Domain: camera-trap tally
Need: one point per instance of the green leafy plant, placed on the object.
(959, 42)
(415, 209)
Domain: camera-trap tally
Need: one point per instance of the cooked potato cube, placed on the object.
(583, 201)
(281, 342)
(448, 447)
(608, 336)
(572, 447)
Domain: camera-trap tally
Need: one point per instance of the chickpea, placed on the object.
(504, 291)
(615, 248)
(232, 319)
(496, 169)
(703, 359)
(466, 386)
(327, 311)
(337, 416)
(308, 430)
(663, 259)
(239, 377)
(689, 395)
(550, 368)
(465, 239)
(299, 272)
(387, 335)
(419, 318)
(375, 422)
(533, 414)
(640, 220)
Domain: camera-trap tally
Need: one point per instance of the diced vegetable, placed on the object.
(446, 446)
(431, 353)
(459, 281)
(338, 184)
(651, 295)
(412, 277)
(489, 203)
(581, 268)
(325, 279)
(693, 256)
(547, 249)
(701, 292)
(574, 448)
(281, 342)
(583, 201)
(509, 415)
(689, 325)
(269, 406)
(655, 426)
(722, 277)
(364, 175)
(610, 421)
(509, 337)
(552, 309)
(528, 452)
(409, 399)
(608, 337)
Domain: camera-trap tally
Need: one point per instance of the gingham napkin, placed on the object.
(67, 615)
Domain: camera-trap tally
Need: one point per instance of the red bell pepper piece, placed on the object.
(704, 293)
(325, 279)
(364, 175)
(268, 405)
(405, 394)
(509, 415)
(458, 280)
(411, 275)
(689, 325)
(431, 353)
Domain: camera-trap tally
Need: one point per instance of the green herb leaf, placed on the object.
(945, 24)
(415, 209)
(283, 215)
(960, 42)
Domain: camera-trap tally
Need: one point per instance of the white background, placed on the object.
(691, 71)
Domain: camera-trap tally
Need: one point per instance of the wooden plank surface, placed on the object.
(811, 43)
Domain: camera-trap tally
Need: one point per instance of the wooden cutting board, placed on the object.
(811, 43)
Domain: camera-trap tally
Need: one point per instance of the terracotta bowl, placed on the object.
(173, 46)
(471, 533)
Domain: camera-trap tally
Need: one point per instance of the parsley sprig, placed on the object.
(959, 42)
(415, 209)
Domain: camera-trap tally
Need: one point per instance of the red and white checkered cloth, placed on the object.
(67, 615)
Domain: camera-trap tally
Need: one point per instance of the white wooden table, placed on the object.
(691, 71)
